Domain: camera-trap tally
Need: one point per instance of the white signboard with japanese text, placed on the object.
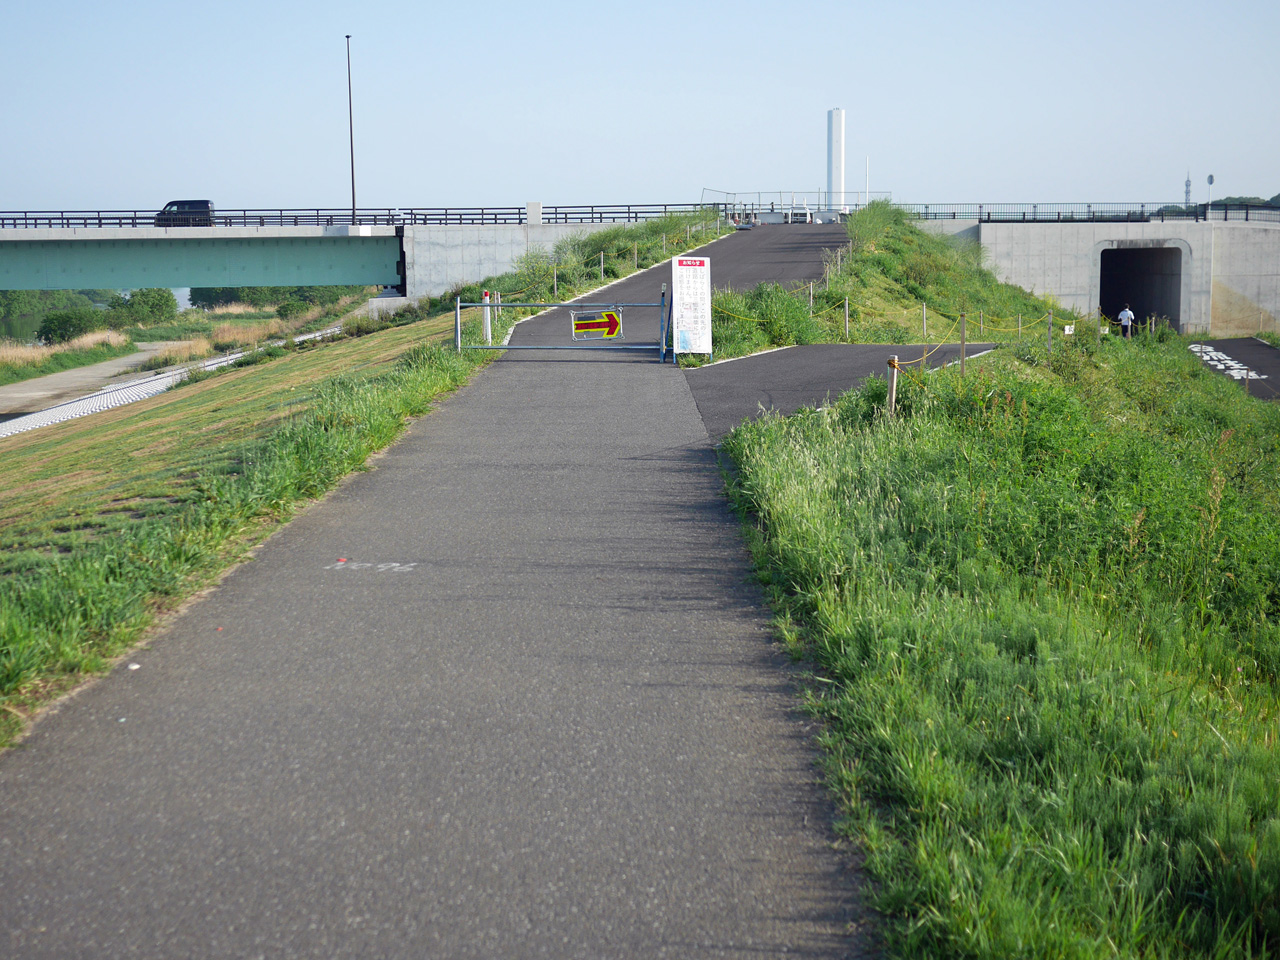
(691, 304)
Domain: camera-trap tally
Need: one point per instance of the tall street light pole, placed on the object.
(351, 121)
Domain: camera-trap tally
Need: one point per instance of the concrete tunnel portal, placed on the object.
(1148, 278)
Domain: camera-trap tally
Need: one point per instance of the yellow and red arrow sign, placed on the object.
(591, 325)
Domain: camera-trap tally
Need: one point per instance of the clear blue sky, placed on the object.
(124, 106)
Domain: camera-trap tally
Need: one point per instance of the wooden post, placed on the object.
(893, 385)
(962, 324)
(846, 319)
(924, 320)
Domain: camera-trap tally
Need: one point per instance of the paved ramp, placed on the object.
(510, 694)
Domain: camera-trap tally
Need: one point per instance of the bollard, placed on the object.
(924, 321)
(893, 385)
(457, 323)
(810, 297)
(602, 266)
(1049, 342)
(555, 281)
(846, 319)
(962, 331)
(487, 326)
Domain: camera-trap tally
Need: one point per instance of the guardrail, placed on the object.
(634, 213)
(1089, 212)
(389, 216)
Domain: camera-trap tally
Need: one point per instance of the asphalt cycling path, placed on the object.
(510, 693)
(783, 381)
(1251, 362)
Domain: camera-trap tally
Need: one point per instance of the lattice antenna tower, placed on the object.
(1188, 188)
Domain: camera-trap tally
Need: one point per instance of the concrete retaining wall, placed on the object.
(438, 258)
(1246, 280)
(1064, 259)
(1226, 278)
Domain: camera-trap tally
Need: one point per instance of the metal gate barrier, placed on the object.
(589, 322)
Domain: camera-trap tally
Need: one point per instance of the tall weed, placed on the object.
(1047, 605)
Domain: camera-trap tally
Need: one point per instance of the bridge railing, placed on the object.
(222, 218)
(634, 213)
(1090, 212)
(389, 216)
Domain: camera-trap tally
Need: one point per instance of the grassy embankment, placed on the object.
(110, 520)
(1042, 608)
(889, 271)
(23, 361)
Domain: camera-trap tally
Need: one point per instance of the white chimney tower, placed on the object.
(835, 159)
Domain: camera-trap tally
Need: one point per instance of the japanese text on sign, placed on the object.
(691, 304)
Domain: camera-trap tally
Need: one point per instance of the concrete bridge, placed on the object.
(422, 254)
(1216, 277)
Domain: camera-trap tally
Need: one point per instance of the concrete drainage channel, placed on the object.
(132, 391)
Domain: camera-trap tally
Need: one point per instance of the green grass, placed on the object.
(887, 273)
(1042, 608)
(62, 360)
(108, 521)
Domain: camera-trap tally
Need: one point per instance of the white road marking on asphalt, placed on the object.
(375, 567)
(1223, 363)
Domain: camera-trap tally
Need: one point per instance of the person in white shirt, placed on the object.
(1126, 322)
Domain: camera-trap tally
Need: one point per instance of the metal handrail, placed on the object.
(325, 217)
(1090, 212)
(634, 213)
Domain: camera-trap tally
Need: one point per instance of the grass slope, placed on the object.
(888, 273)
(1042, 605)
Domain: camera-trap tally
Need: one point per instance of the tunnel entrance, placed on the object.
(1149, 279)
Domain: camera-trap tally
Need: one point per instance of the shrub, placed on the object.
(69, 324)
(362, 326)
(292, 308)
(154, 305)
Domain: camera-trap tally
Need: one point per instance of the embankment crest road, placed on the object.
(509, 694)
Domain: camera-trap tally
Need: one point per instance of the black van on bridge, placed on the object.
(186, 213)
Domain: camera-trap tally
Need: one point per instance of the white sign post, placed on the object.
(691, 304)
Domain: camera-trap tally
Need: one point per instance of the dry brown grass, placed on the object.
(234, 309)
(245, 333)
(195, 349)
(23, 354)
